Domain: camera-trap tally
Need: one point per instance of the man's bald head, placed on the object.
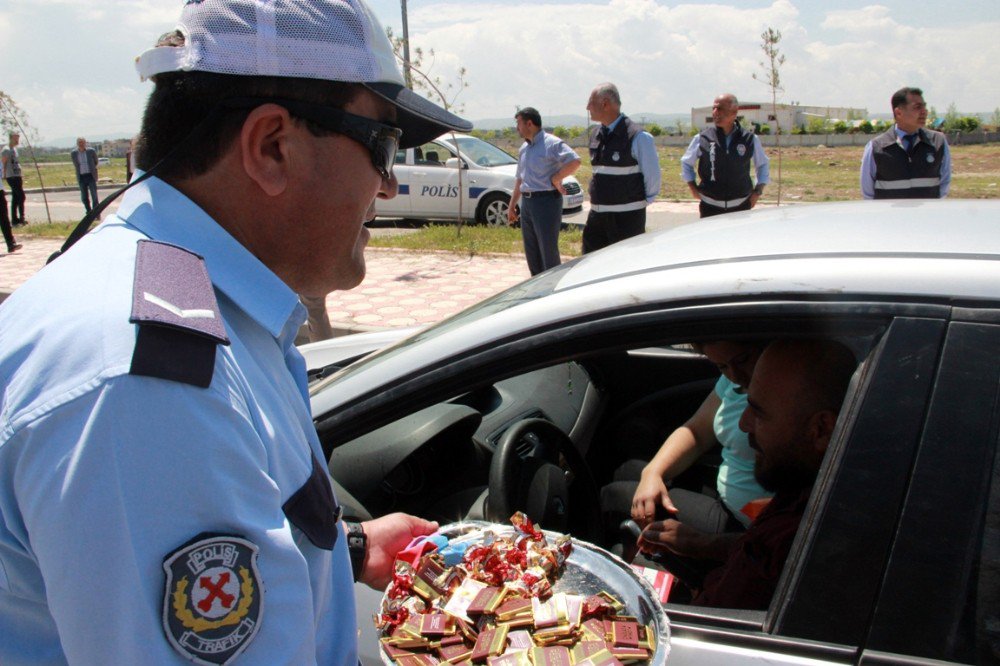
(794, 399)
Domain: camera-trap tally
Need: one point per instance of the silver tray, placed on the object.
(588, 570)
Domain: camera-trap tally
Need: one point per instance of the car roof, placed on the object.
(936, 253)
(870, 236)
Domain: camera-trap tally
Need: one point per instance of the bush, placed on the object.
(654, 129)
(840, 127)
(765, 129)
(866, 127)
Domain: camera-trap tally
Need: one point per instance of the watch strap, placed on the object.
(357, 547)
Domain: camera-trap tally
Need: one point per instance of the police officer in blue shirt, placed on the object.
(720, 155)
(163, 492)
(907, 161)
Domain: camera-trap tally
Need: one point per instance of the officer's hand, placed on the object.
(386, 537)
(557, 183)
(694, 189)
(753, 199)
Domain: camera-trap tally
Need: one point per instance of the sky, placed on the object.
(69, 63)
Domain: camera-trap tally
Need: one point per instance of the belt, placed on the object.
(541, 193)
(718, 203)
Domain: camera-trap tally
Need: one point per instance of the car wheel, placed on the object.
(493, 210)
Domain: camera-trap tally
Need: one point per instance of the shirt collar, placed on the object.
(900, 133)
(164, 213)
(614, 123)
(540, 135)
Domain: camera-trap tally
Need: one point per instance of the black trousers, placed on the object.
(707, 210)
(603, 229)
(16, 199)
(8, 233)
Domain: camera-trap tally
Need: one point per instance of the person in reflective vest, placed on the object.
(720, 156)
(907, 161)
(626, 172)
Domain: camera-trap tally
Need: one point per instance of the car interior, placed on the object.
(543, 440)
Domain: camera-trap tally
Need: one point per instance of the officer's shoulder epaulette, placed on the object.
(179, 323)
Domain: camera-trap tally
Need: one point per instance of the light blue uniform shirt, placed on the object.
(736, 483)
(868, 167)
(103, 473)
(538, 160)
(644, 152)
(761, 163)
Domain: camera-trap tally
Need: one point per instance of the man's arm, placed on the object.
(689, 165)
(763, 169)
(676, 537)
(644, 152)
(945, 171)
(148, 482)
(515, 196)
(567, 169)
(868, 172)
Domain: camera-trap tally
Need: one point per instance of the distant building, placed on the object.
(789, 116)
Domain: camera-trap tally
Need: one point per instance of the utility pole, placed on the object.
(406, 47)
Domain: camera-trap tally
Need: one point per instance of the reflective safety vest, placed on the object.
(725, 174)
(908, 175)
(617, 184)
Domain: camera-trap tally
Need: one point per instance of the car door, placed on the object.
(941, 594)
(433, 185)
(828, 590)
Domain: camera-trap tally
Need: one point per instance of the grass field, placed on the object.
(808, 175)
(831, 174)
(60, 174)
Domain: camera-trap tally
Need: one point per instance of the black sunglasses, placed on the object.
(381, 140)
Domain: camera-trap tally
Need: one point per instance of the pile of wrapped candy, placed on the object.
(491, 601)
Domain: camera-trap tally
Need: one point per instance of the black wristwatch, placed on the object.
(357, 548)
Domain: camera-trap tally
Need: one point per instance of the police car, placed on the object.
(431, 176)
(897, 560)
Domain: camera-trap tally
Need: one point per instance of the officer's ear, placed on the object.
(265, 147)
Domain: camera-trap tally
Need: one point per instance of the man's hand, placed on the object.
(753, 198)
(386, 537)
(651, 493)
(675, 537)
(694, 190)
(511, 214)
(558, 185)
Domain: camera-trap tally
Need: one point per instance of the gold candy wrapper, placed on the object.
(519, 597)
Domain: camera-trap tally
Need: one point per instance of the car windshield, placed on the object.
(529, 290)
(480, 152)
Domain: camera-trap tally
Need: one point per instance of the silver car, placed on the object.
(898, 557)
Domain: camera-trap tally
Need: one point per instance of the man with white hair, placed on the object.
(626, 172)
(164, 496)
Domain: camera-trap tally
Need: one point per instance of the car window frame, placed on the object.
(922, 612)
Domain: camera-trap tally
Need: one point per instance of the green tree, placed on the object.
(866, 127)
(840, 127)
(654, 129)
(817, 126)
(680, 127)
(951, 120)
(765, 129)
(995, 119)
(771, 76)
(14, 119)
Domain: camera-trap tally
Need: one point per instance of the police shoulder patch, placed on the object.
(213, 599)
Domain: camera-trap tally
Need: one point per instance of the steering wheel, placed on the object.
(525, 475)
